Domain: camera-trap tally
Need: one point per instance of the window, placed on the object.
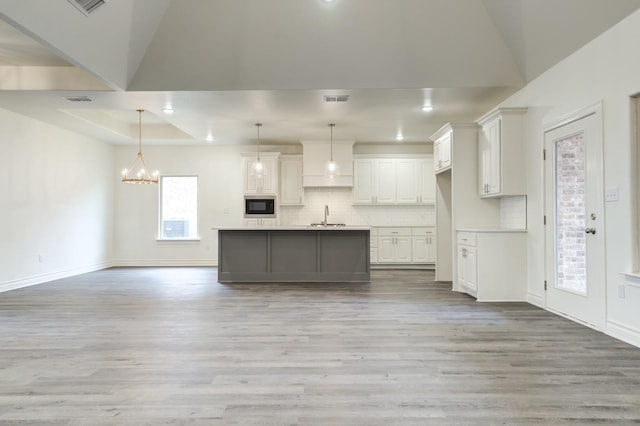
(178, 208)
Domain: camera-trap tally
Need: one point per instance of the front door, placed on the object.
(575, 263)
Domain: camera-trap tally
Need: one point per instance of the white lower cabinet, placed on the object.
(403, 245)
(491, 265)
(373, 246)
(260, 222)
(423, 242)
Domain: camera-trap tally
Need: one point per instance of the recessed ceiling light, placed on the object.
(209, 138)
(399, 137)
(168, 110)
(427, 108)
(327, 1)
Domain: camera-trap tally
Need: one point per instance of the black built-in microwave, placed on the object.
(260, 206)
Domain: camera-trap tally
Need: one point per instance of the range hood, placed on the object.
(316, 154)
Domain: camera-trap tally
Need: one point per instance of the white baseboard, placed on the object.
(155, 263)
(535, 300)
(623, 332)
(51, 276)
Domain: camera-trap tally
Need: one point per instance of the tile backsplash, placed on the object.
(513, 212)
(342, 210)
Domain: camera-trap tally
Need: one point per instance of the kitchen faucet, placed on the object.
(326, 213)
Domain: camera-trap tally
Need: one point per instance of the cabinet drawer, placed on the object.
(422, 232)
(394, 232)
(467, 239)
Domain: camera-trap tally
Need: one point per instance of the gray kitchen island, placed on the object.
(293, 254)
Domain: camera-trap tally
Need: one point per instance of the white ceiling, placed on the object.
(225, 64)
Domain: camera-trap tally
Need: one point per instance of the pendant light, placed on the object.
(140, 172)
(257, 168)
(332, 166)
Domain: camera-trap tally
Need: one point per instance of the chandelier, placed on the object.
(137, 172)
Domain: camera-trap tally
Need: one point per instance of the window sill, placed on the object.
(632, 278)
(178, 240)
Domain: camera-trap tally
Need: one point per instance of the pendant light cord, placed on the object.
(258, 125)
(331, 126)
(140, 111)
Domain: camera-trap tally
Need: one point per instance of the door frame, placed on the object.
(597, 110)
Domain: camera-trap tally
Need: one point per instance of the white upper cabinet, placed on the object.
(393, 181)
(501, 153)
(316, 155)
(291, 190)
(363, 192)
(442, 153)
(268, 182)
(385, 181)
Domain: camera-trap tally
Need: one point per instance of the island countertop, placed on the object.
(292, 228)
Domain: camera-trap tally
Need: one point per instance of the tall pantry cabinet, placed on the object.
(457, 202)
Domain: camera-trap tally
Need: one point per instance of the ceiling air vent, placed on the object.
(336, 98)
(87, 6)
(79, 99)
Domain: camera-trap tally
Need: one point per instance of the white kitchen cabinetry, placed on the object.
(316, 155)
(457, 202)
(501, 153)
(260, 222)
(394, 245)
(363, 191)
(291, 190)
(423, 242)
(373, 244)
(385, 181)
(442, 153)
(393, 181)
(491, 264)
(268, 183)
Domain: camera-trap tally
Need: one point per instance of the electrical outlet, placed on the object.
(621, 290)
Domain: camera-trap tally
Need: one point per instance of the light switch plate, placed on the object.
(611, 194)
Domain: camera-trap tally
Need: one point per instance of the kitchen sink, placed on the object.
(328, 225)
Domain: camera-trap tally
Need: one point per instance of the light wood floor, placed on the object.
(171, 346)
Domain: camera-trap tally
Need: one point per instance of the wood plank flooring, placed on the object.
(171, 346)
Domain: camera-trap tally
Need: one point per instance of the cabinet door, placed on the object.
(363, 181)
(419, 250)
(431, 250)
(267, 183)
(403, 249)
(385, 181)
(386, 250)
(467, 268)
(408, 181)
(373, 255)
(291, 191)
(442, 153)
(490, 158)
(426, 182)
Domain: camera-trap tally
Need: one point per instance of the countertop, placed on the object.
(487, 230)
(292, 228)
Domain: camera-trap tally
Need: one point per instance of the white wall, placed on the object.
(606, 70)
(56, 194)
(219, 171)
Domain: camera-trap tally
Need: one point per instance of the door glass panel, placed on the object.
(570, 200)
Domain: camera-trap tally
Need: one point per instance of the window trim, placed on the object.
(159, 237)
